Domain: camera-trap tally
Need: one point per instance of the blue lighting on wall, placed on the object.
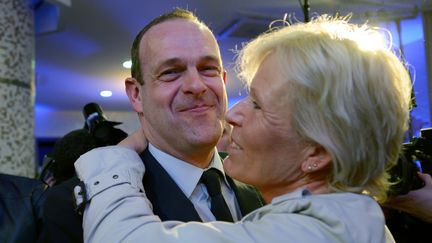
(414, 51)
(40, 109)
(75, 42)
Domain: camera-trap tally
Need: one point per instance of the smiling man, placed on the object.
(182, 89)
(178, 89)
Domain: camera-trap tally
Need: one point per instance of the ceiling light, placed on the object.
(127, 64)
(106, 93)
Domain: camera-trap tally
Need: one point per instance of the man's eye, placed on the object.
(169, 72)
(211, 71)
(169, 75)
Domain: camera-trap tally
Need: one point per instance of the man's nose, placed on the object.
(193, 83)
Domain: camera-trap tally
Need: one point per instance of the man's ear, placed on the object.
(133, 91)
(316, 158)
(224, 76)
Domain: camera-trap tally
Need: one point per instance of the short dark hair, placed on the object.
(177, 13)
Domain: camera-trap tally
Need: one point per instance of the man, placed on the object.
(178, 89)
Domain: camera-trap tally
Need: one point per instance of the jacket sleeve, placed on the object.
(120, 212)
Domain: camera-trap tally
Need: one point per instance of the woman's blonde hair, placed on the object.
(349, 93)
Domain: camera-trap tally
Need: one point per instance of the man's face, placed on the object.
(183, 96)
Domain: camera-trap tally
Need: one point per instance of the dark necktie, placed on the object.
(219, 208)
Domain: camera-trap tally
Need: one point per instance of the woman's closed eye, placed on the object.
(255, 105)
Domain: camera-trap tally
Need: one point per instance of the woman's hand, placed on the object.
(136, 141)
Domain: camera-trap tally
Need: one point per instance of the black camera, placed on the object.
(416, 156)
(97, 132)
(99, 127)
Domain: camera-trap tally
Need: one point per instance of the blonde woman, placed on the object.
(324, 119)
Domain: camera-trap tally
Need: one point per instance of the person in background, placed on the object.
(60, 219)
(98, 131)
(409, 216)
(327, 109)
(21, 208)
(61, 222)
(416, 202)
(65, 152)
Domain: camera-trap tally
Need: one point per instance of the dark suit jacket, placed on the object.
(21, 201)
(63, 225)
(162, 191)
(61, 222)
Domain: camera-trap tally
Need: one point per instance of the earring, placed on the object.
(313, 166)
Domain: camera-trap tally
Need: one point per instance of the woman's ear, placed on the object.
(133, 91)
(316, 158)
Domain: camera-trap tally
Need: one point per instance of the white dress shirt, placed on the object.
(187, 177)
(120, 212)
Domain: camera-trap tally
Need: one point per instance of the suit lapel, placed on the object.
(247, 196)
(168, 200)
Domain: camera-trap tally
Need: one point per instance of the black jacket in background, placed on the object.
(61, 223)
(21, 201)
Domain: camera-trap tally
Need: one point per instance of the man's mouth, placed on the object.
(196, 108)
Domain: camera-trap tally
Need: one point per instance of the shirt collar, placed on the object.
(185, 175)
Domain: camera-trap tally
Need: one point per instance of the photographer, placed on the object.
(61, 222)
(409, 208)
(409, 216)
(58, 164)
(97, 132)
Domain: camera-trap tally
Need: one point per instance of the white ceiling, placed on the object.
(84, 53)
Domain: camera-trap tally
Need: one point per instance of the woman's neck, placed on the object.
(315, 186)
